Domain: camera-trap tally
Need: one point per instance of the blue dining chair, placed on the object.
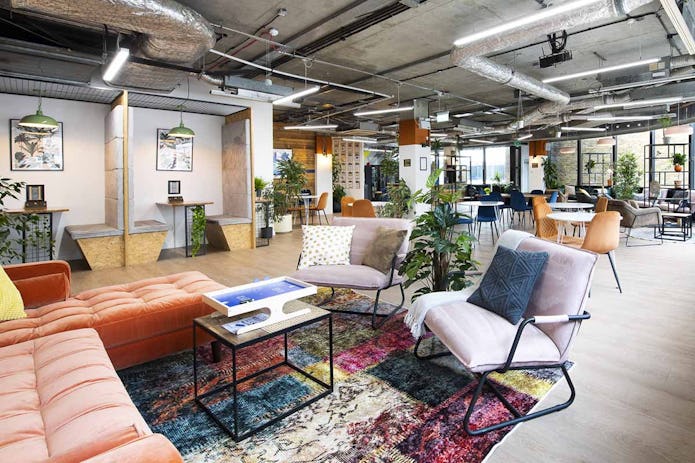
(497, 196)
(553, 197)
(519, 206)
(487, 214)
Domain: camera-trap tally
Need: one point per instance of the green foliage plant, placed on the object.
(389, 167)
(550, 174)
(679, 159)
(439, 257)
(197, 229)
(626, 178)
(589, 165)
(288, 186)
(19, 231)
(259, 184)
(398, 205)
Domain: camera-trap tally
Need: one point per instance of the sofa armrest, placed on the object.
(151, 448)
(41, 283)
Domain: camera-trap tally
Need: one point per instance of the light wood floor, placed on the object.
(635, 359)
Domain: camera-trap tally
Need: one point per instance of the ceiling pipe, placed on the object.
(471, 55)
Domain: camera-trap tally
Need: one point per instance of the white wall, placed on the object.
(149, 185)
(535, 174)
(324, 179)
(80, 186)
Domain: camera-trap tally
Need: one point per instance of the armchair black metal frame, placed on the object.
(483, 378)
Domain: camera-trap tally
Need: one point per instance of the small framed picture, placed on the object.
(35, 193)
(423, 163)
(406, 162)
(534, 165)
(174, 187)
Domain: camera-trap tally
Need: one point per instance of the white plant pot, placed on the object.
(284, 224)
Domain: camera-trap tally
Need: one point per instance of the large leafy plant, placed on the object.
(439, 256)
(626, 178)
(19, 232)
(287, 188)
(550, 174)
(398, 205)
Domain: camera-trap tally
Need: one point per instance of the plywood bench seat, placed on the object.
(228, 232)
(149, 226)
(227, 220)
(96, 230)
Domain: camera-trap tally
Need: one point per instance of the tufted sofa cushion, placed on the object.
(61, 401)
(123, 315)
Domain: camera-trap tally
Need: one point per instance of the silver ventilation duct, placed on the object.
(166, 31)
(470, 56)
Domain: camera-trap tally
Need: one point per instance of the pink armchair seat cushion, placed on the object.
(346, 276)
(61, 400)
(481, 339)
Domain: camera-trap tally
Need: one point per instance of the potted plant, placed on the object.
(665, 123)
(550, 174)
(626, 178)
(198, 223)
(338, 189)
(286, 192)
(19, 232)
(399, 197)
(439, 257)
(267, 209)
(679, 161)
(589, 165)
(389, 168)
(259, 185)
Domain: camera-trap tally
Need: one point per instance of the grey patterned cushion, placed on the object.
(508, 283)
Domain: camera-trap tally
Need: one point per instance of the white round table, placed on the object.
(571, 206)
(582, 218)
(307, 199)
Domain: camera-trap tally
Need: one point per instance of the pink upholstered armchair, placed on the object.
(486, 342)
(356, 275)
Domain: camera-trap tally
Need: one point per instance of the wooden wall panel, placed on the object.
(410, 133)
(303, 146)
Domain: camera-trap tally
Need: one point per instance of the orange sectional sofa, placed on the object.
(60, 397)
(61, 401)
(137, 322)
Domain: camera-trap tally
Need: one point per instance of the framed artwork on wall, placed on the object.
(174, 154)
(35, 150)
(406, 162)
(423, 163)
(280, 155)
(174, 187)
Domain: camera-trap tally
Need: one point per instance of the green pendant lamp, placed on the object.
(181, 131)
(39, 121)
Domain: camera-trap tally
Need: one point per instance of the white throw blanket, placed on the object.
(415, 318)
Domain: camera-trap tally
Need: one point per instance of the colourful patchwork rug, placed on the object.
(387, 406)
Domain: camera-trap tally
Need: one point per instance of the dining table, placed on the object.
(571, 206)
(566, 218)
(307, 201)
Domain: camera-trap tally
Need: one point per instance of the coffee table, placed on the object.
(681, 229)
(212, 326)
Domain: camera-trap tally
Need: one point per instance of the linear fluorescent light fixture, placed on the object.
(676, 17)
(525, 21)
(621, 118)
(463, 115)
(525, 137)
(438, 135)
(642, 83)
(361, 140)
(592, 72)
(582, 129)
(292, 96)
(383, 111)
(116, 64)
(638, 103)
(477, 140)
(312, 127)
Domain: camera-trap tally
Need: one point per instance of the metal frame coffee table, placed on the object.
(212, 325)
(680, 230)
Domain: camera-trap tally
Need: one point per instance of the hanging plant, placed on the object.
(197, 229)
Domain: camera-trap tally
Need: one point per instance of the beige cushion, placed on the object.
(569, 190)
(346, 276)
(383, 249)
(481, 339)
(325, 245)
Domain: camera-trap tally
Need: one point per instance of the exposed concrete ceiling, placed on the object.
(410, 46)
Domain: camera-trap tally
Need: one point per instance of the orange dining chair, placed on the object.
(345, 210)
(601, 204)
(546, 228)
(538, 200)
(320, 207)
(603, 237)
(363, 208)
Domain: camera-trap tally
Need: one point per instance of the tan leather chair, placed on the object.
(538, 200)
(603, 237)
(320, 207)
(546, 228)
(601, 204)
(363, 208)
(346, 211)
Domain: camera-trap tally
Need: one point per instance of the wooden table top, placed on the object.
(37, 210)
(185, 203)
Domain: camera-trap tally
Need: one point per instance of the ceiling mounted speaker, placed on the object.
(606, 141)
